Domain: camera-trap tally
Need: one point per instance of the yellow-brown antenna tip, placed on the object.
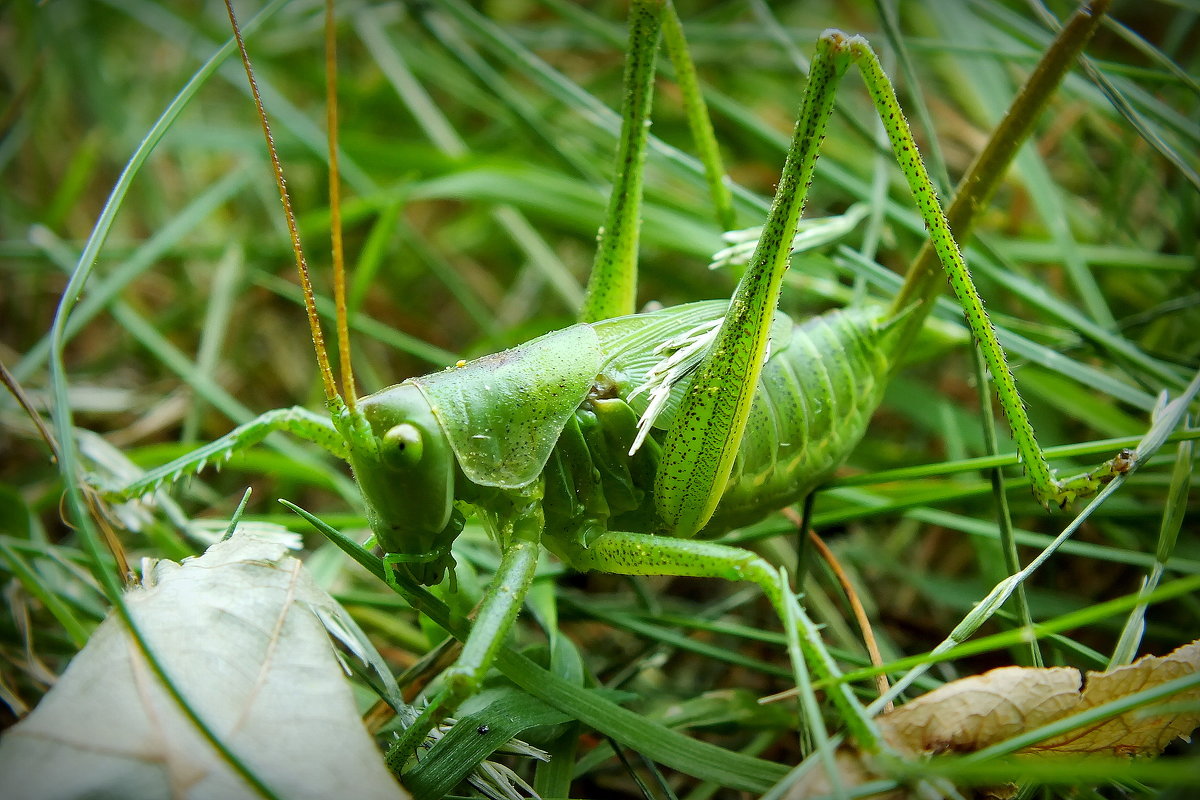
(310, 302)
(335, 208)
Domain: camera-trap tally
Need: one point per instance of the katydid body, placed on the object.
(566, 423)
(553, 465)
(542, 441)
(557, 413)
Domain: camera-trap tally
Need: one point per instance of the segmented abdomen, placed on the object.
(819, 387)
(816, 396)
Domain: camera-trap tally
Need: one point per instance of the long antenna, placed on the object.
(335, 209)
(310, 302)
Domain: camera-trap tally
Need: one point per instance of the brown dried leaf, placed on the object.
(977, 712)
(982, 710)
(1137, 732)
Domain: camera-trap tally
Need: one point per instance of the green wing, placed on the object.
(630, 343)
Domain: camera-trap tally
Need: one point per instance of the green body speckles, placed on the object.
(1045, 488)
(700, 448)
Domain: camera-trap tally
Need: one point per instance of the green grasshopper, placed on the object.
(565, 442)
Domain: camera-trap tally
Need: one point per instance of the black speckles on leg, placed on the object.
(947, 250)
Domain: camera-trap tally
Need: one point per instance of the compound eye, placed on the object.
(403, 445)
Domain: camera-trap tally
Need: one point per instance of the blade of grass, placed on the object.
(704, 760)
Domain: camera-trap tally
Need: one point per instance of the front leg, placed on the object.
(298, 421)
(521, 543)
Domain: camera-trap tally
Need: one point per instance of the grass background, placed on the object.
(474, 185)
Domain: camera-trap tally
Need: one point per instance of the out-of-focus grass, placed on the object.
(475, 181)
